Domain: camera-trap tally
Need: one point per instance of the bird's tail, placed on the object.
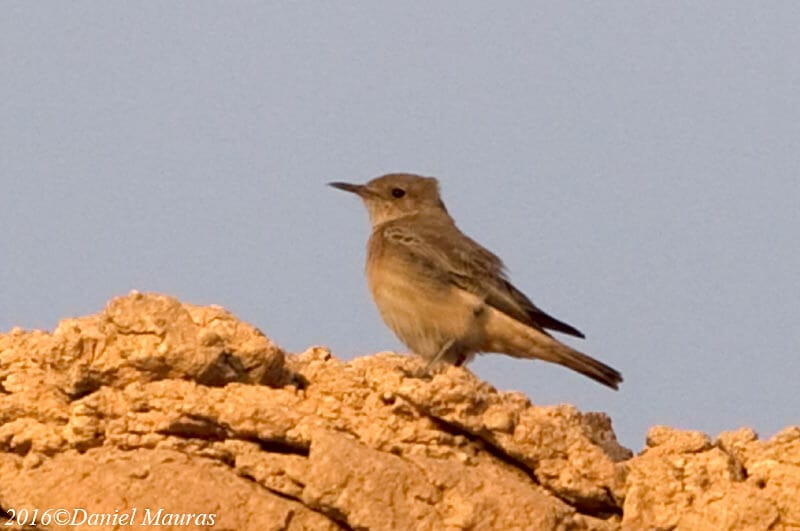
(507, 335)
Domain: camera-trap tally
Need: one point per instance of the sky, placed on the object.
(636, 165)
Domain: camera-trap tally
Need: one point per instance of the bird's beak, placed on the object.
(358, 189)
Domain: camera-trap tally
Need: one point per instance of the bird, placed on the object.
(446, 297)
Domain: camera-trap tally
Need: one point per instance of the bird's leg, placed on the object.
(439, 355)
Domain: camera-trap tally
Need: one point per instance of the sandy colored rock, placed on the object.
(772, 468)
(154, 404)
(683, 481)
(188, 491)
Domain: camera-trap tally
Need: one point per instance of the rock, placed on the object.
(155, 486)
(155, 405)
(683, 481)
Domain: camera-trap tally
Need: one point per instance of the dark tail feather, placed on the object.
(588, 366)
(535, 314)
(551, 323)
(507, 335)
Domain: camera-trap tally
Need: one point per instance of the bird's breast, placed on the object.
(422, 310)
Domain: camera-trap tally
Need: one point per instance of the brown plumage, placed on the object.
(443, 294)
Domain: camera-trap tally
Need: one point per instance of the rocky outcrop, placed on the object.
(158, 412)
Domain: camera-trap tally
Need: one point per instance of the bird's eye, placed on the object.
(398, 192)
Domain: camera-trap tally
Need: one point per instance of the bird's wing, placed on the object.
(447, 252)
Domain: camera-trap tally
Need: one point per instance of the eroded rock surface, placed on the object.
(154, 404)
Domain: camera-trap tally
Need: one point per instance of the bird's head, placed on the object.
(397, 195)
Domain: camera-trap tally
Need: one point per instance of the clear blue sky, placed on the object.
(637, 165)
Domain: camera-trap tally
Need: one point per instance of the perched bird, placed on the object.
(445, 296)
